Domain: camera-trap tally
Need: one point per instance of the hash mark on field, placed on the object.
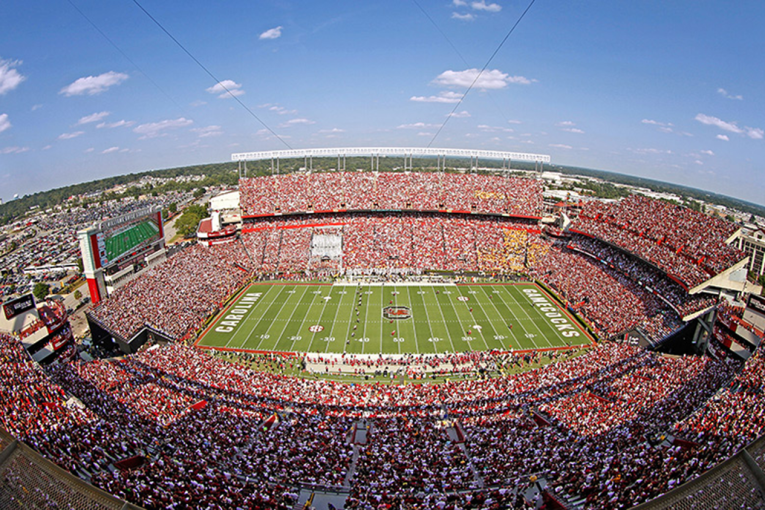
(288, 321)
(252, 310)
(265, 335)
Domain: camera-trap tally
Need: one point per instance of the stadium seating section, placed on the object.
(174, 427)
(390, 191)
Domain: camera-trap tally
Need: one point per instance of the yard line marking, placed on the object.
(324, 306)
(443, 318)
(265, 333)
(337, 311)
(261, 301)
(520, 306)
(480, 329)
(288, 321)
(414, 325)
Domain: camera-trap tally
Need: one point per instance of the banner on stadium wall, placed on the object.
(18, 306)
(755, 312)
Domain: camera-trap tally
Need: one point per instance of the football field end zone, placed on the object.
(551, 301)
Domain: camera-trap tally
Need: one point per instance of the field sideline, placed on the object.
(392, 319)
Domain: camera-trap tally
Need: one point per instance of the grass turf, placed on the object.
(122, 242)
(425, 319)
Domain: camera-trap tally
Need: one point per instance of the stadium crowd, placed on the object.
(178, 295)
(686, 244)
(610, 301)
(644, 274)
(612, 290)
(390, 190)
(584, 424)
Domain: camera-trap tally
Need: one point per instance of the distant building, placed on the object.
(752, 242)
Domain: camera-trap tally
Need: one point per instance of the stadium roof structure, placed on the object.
(391, 151)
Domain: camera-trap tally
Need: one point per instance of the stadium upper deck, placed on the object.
(419, 191)
(689, 246)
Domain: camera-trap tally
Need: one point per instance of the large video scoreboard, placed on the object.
(117, 243)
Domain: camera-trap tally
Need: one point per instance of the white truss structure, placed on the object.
(390, 151)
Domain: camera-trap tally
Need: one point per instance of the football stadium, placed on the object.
(429, 338)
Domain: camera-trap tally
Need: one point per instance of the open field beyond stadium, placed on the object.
(393, 319)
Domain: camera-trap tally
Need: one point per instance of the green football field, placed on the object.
(392, 319)
(119, 243)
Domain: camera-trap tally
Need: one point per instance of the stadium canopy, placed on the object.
(390, 151)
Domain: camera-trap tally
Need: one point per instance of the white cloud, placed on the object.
(93, 85)
(331, 131)
(226, 88)
(110, 150)
(560, 146)
(14, 150)
(714, 121)
(197, 103)
(69, 136)
(491, 79)
(281, 110)
(4, 122)
(208, 131)
(10, 78)
(155, 129)
(463, 17)
(493, 129)
(514, 122)
(650, 151)
(445, 96)
(723, 138)
(271, 33)
(567, 125)
(754, 133)
(725, 94)
(36, 107)
(295, 122)
(416, 125)
(483, 6)
(460, 115)
(112, 125)
(459, 3)
(90, 149)
(47, 147)
(94, 117)
(708, 153)
(656, 122)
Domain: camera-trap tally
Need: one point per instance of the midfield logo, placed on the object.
(397, 312)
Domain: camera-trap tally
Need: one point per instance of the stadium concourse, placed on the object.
(173, 426)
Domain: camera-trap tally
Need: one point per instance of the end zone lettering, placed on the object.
(232, 318)
(551, 311)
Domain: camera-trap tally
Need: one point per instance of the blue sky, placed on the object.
(666, 90)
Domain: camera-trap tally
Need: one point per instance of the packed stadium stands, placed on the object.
(687, 245)
(175, 427)
(390, 191)
(177, 296)
(582, 424)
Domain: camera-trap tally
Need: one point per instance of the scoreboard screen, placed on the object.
(124, 235)
(18, 306)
